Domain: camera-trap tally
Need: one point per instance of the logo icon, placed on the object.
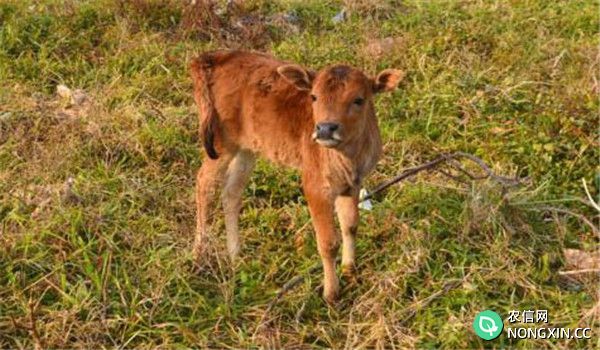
(488, 325)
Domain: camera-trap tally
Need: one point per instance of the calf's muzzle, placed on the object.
(326, 131)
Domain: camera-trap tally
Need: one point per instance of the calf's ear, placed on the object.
(387, 80)
(297, 76)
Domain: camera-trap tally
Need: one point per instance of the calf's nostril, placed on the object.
(327, 127)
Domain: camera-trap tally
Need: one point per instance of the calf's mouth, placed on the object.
(329, 141)
(327, 134)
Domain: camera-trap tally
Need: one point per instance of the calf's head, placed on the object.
(342, 99)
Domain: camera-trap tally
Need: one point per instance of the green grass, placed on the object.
(514, 83)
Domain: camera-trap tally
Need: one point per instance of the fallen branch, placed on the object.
(452, 160)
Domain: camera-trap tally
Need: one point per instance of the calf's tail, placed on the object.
(201, 70)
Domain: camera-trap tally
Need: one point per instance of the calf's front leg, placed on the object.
(346, 207)
(320, 205)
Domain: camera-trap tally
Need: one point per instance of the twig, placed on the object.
(451, 159)
(576, 272)
(38, 342)
(568, 212)
(299, 313)
(587, 192)
(456, 165)
(291, 284)
(507, 181)
(404, 175)
(154, 107)
(288, 286)
(451, 176)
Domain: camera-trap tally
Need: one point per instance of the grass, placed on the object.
(106, 261)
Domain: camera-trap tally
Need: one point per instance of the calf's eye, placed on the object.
(359, 101)
(313, 97)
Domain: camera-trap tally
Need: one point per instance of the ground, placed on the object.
(97, 194)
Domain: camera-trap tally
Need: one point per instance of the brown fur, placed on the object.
(252, 104)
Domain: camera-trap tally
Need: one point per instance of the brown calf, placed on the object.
(322, 123)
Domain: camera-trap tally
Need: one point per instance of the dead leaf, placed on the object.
(76, 97)
(500, 131)
(378, 48)
(579, 259)
(63, 91)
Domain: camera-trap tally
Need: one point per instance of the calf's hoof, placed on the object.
(349, 271)
(234, 253)
(350, 276)
(331, 295)
(198, 253)
(331, 299)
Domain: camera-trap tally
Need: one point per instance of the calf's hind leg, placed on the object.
(208, 181)
(236, 177)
